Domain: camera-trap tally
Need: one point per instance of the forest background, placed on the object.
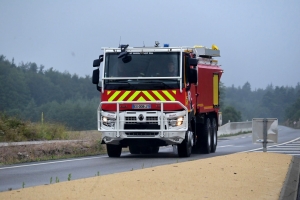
(28, 91)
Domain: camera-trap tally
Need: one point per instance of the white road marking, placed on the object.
(271, 146)
(225, 146)
(53, 162)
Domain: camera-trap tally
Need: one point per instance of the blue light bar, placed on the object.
(166, 45)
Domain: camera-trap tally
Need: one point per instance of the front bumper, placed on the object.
(168, 126)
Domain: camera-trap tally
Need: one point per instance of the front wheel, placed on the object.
(185, 148)
(155, 150)
(114, 150)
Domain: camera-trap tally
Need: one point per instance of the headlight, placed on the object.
(108, 121)
(179, 121)
(176, 121)
(104, 119)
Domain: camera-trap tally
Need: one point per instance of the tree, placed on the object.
(293, 111)
(231, 114)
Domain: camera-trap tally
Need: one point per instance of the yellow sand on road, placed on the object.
(236, 176)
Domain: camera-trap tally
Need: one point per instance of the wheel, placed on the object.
(205, 140)
(214, 135)
(154, 150)
(198, 131)
(185, 148)
(113, 150)
(134, 149)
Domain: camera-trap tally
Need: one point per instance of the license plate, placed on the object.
(141, 106)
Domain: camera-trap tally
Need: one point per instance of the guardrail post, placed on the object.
(265, 135)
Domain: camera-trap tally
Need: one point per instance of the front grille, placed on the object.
(149, 120)
(141, 126)
(152, 120)
(130, 120)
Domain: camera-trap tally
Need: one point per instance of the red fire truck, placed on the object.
(158, 96)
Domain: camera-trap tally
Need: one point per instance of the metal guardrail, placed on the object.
(235, 127)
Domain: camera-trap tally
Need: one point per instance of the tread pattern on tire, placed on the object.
(214, 132)
(113, 150)
(206, 135)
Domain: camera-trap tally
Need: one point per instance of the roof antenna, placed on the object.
(144, 44)
(120, 42)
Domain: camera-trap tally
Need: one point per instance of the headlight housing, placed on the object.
(107, 121)
(176, 121)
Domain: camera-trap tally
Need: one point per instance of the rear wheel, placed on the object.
(113, 150)
(205, 140)
(134, 149)
(214, 135)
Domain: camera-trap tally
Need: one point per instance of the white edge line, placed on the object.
(225, 146)
(53, 162)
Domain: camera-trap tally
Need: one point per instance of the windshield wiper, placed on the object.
(120, 81)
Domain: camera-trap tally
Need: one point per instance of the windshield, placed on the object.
(154, 64)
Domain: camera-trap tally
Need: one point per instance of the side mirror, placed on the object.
(97, 62)
(95, 78)
(193, 62)
(193, 76)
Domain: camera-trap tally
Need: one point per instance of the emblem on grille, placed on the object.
(141, 117)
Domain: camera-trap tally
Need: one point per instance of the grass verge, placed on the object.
(235, 134)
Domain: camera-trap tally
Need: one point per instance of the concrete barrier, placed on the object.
(235, 127)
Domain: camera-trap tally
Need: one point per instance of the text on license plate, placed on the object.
(141, 106)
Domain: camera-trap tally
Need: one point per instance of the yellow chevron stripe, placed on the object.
(123, 96)
(148, 95)
(141, 99)
(133, 96)
(151, 97)
(168, 95)
(158, 95)
(114, 95)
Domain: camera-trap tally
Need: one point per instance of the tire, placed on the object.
(113, 150)
(198, 131)
(205, 140)
(214, 135)
(155, 150)
(185, 148)
(134, 149)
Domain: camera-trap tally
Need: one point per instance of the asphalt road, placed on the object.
(41, 173)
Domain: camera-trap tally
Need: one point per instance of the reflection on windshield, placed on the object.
(158, 64)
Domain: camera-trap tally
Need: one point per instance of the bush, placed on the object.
(13, 129)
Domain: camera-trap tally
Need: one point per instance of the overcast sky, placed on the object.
(259, 40)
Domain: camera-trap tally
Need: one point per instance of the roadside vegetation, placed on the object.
(64, 143)
(235, 134)
(13, 129)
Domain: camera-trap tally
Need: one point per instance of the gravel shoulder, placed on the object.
(253, 175)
